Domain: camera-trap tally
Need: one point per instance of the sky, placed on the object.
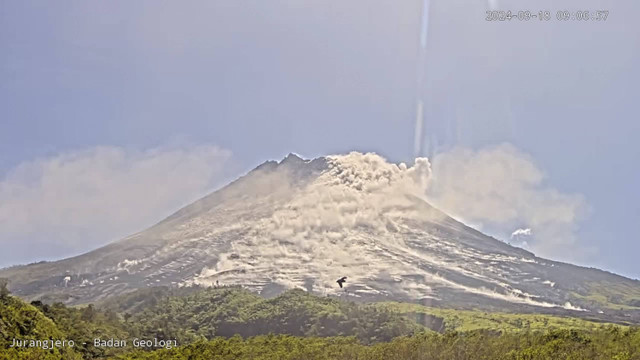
(115, 114)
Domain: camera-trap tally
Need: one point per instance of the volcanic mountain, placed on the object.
(306, 223)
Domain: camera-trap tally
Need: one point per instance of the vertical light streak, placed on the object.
(424, 32)
(417, 143)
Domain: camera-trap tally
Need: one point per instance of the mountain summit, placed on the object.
(305, 223)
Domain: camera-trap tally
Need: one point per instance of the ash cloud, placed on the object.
(499, 188)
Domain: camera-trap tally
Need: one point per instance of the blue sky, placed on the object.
(107, 106)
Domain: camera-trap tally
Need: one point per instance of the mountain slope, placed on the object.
(302, 223)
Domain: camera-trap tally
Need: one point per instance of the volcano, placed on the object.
(302, 223)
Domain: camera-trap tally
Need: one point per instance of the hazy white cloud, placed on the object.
(518, 236)
(500, 188)
(86, 198)
(521, 232)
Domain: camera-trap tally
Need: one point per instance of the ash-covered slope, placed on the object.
(306, 223)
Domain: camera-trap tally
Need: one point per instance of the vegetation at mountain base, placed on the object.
(233, 323)
(19, 320)
(189, 316)
(230, 311)
(469, 320)
(84, 324)
(607, 343)
(618, 296)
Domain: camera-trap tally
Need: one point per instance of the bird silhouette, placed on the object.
(341, 281)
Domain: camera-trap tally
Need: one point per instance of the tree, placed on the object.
(88, 313)
(4, 291)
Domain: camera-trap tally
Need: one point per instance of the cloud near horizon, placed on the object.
(83, 199)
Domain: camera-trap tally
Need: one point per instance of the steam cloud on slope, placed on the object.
(499, 188)
(521, 232)
(495, 189)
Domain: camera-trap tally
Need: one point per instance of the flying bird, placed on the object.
(341, 281)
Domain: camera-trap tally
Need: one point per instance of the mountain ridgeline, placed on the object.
(306, 223)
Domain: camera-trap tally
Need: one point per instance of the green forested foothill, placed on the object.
(190, 316)
(232, 323)
(19, 320)
(469, 320)
(84, 324)
(612, 343)
(228, 311)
